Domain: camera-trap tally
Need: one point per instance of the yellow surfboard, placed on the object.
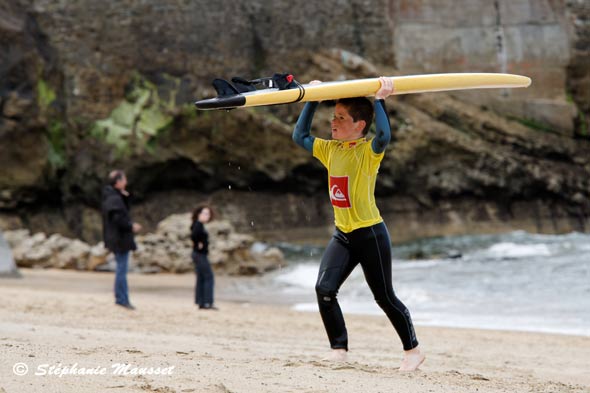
(365, 87)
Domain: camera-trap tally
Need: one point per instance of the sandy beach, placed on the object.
(70, 337)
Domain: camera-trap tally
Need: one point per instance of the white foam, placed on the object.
(258, 247)
(303, 275)
(458, 321)
(306, 307)
(509, 250)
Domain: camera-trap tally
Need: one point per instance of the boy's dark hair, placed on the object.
(359, 108)
(199, 209)
(115, 176)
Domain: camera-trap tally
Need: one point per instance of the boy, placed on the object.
(361, 236)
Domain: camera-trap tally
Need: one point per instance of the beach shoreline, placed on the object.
(67, 320)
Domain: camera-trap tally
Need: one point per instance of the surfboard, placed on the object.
(365, 87)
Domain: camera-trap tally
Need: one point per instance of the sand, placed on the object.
(64, 325)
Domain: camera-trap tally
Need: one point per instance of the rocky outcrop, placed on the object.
(25, 154)
(169, 249)
(578, 69)
(520, 37)
(87, 86)
(55, 251)
(166, 250)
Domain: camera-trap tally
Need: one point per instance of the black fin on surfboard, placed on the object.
(224, 88)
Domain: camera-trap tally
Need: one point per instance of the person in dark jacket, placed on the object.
(118, 231)
(200, 237)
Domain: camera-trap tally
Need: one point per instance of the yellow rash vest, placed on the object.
(352, 170)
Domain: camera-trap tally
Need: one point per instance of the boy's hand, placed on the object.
(386, 88)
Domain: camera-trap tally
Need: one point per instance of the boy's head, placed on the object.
(352, 118)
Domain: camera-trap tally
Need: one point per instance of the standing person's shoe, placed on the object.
(128, 306)
(208, 306)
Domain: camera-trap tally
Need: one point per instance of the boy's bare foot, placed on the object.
(412, 360)
(337, 355)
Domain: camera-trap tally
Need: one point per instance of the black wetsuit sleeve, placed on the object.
(301, 133)
(383, 129)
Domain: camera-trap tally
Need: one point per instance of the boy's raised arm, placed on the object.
(301, 133)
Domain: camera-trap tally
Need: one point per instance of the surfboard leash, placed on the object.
(301, 91)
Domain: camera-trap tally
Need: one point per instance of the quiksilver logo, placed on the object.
(339, 194)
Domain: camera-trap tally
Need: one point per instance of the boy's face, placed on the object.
(344, 128)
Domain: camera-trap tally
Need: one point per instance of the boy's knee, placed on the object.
(325, 295)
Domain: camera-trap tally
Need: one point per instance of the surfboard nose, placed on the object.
(229, 102)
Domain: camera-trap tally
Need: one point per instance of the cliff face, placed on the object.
(531, 38)
(88, 86)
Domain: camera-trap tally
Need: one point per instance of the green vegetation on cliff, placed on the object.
(139, 118)
(45, 95)
(57, 149)
(56, 130)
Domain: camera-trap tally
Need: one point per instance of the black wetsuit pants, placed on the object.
(371, 247)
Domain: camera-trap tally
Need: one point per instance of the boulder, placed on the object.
(7, 265)
(168, 249)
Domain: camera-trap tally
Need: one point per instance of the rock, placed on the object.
(32, 251)
(98, 257)
(57, 242)
(73, 256)
(170, 248)
(175, 227)
(355, 63)
(53, 252)
(7, 265)
(16, 105)
(10, 222)
(16, 237)
(275, 255)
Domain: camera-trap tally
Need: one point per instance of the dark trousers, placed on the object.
(205, 280)
(121, 289)
(371, 247)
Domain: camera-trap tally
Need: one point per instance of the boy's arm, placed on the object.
(301, 133)
(382, 127)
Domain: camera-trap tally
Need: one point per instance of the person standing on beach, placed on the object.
(118, 231)
(205, 279)
(361, 237)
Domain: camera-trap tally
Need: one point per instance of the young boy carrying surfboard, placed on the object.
(361, 236)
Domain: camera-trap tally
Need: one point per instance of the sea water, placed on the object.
(516, 281)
